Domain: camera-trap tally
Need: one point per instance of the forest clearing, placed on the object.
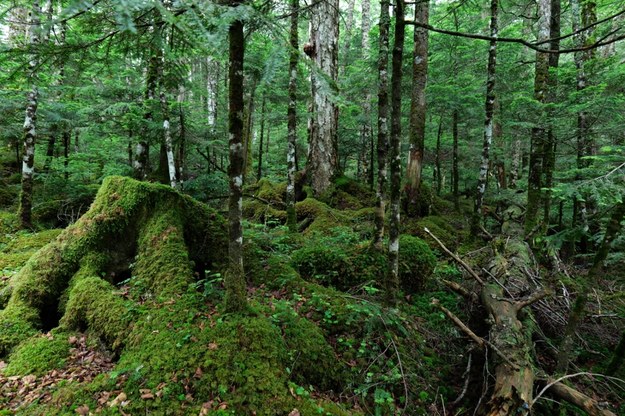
(312, 208)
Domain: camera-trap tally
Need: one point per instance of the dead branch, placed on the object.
(459, 289)
(478, 340)
(456, 258)
(533, 298)
(573, 396)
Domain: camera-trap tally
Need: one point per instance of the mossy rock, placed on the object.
(346, 193)
(39, 354)
(450, 233)
(345, 265)
(416, 263)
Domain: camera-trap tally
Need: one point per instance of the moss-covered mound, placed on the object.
(344, 261)
(346, 193)
(130, 223)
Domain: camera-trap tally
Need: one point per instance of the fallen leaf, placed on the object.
(121, 397)
(212, 346)
(294, 412)
(147, 396)
(198, 373)
(83, 410)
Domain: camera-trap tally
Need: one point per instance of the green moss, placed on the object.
(16, 325)
(344, 263)
(451, 234)
(93, 304)
(311, 359)
(347, 193)
(416, 263)
(38, 355)
(273, 193)
(8, 195)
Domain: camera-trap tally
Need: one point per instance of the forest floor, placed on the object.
(148, 336)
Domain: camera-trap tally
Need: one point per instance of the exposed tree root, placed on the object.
(146, 231)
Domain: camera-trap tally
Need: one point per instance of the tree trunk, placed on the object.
(539, 132)
(382, 124)
(516, 164)
(292, 118)
(235, 277)
(417, 106)
(182, 146)
(549, 160)
(489, 108)
(366, 133)
(455, 177)
(323, 161)
(169, 149)
(437, 162)
(142, 158)
(30, 125)
(248, 128)
(392, 280)
(259, 173)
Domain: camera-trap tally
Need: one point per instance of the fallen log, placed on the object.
(508, 289)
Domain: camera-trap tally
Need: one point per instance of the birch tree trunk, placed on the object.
(292, 118)
(489, 108)
(30, 123)
(538, 138)
(366, 136)
(417, 106)
(380, 204)
(235, 277)
(169, 149)
(392, 282)
(323, 145)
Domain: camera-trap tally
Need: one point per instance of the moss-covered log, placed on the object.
(146, 231)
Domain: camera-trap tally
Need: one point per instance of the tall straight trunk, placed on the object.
(182, 146)
(516, 164)
(169, 149)
(67, 138)
(583, 16)
(323, 161)
(549, 160)
(455, 177)
(212, 75)
(142, 158)
(30, 124)
(380, 204)
(235, 277)
(349, 24)
(539, 132)
(366, 132)
(392, 283)
(51, 146)
(418, 105)
(263, 106)
(292, 118)
(248, 128)
(489, 108)
(437, 163)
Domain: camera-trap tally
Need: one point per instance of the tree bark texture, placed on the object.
(382, 152)
(366, 133)
(455, 177)
(417, 105)
(292, 118)
(539, 132)
(323, 160)
(30, 124)
(142, 158)
(235, 278)
(489, 109)
(169, 149)
(392, 283)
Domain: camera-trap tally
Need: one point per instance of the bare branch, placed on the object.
(456, 258)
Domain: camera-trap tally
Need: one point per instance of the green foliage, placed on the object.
(39, 354)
